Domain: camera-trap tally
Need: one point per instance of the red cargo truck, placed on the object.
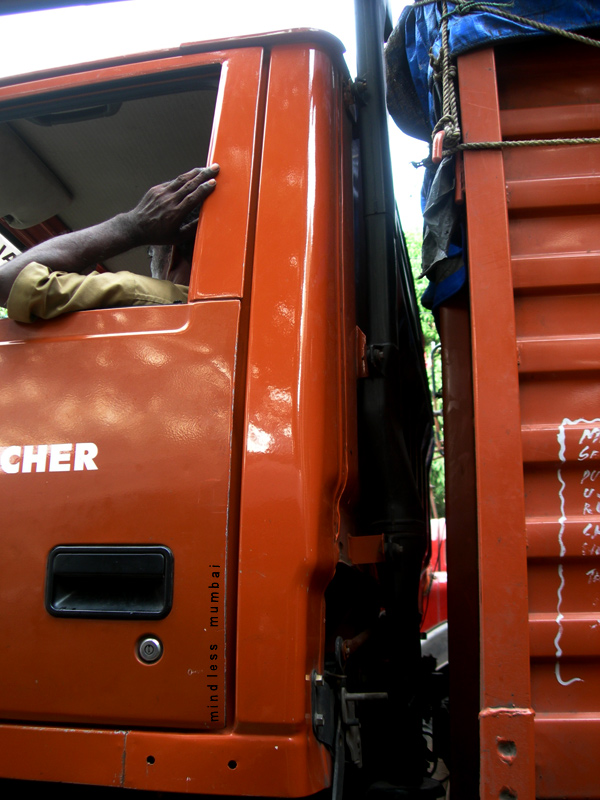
(533, 242)
(513, 209)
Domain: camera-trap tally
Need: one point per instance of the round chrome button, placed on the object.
(150, 649)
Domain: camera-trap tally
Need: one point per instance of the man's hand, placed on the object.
(162, 215)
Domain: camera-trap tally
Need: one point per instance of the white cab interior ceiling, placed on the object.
(85, 170)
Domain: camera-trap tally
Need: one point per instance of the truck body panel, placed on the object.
(509, 99)
(532, 216)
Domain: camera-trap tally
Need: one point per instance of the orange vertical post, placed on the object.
(506, 717)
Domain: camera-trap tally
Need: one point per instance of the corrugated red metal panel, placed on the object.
(541, 295)
(506, 719)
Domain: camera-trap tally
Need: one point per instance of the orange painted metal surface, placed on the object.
(534, 258)
(366, 549)
(300, 353)
(224, 239)
(96, 754)
(500, 504)
(161, 476)
(225, 432)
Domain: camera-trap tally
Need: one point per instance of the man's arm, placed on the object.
(157, 219)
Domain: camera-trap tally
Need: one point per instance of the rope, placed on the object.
(525, 143)
(448, 122)
(443, 67)
(426, 162)
(532, 23)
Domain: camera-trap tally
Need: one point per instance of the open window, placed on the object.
(78, 156)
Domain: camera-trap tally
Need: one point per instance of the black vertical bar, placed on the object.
(395, 425)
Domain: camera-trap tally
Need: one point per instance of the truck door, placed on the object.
(118, 483)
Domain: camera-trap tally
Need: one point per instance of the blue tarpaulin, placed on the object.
(414, 100)
(478, 28)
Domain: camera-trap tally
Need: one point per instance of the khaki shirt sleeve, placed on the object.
(38, 293)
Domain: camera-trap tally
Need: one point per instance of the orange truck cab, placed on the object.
(211, 541)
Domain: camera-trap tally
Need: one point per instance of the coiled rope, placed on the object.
(445, 71)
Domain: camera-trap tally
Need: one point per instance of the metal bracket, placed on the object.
(332, 731)
(323, 710)
(359, 90)
(351, 722)
(382, 359)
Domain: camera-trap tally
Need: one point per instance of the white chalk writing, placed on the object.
(590, 506)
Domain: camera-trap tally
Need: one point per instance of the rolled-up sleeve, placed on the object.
(39, 293)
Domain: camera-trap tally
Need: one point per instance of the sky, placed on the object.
(39, 40)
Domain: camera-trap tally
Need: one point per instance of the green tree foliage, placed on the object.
(431, 338)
